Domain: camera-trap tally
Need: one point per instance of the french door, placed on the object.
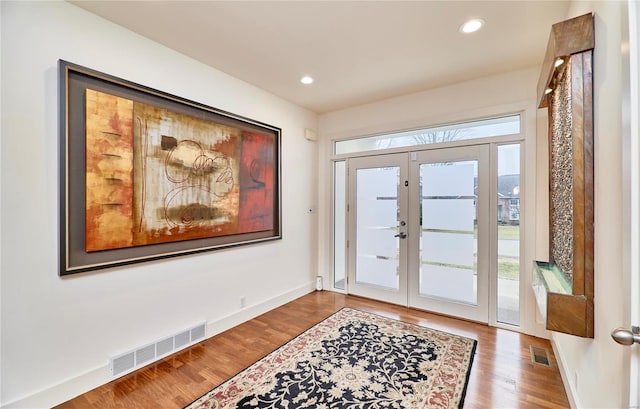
(450, 224)
(378, 211)
(418, 229)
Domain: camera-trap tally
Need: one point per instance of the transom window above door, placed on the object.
(485, 128)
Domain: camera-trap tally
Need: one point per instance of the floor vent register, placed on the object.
(540, 356)
(127, 362)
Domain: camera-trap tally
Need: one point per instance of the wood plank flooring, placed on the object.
(502, 374)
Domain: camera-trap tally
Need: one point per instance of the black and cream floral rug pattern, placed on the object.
(354, 360)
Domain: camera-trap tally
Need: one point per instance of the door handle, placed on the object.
(625, 337)
(402, 235)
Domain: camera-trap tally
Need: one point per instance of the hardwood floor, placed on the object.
(502, 374)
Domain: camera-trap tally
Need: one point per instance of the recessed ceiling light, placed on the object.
(306, 80)
(472, 26)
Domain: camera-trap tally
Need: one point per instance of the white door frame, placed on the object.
(480, 153)
(631, 105)
(393, 296)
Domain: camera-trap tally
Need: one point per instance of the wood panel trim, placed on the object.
(577, 133)
(567, 37)
(589, 190)
(568, 314)
(573, 41)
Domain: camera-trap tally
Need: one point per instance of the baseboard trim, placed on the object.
(569, 387)
(77, 385)
(63, 391)
(245, 314)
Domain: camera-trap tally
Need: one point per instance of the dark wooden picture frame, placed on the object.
(146, 175)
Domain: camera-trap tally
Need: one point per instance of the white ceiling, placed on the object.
(357, 51)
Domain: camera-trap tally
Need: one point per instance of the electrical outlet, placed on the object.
(243, 302)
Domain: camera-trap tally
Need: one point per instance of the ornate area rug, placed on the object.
(354, 360)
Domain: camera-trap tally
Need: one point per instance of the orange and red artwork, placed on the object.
(157, 176)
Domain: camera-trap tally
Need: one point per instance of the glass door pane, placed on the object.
(378, 224)
(449, 245)
(508, 262)
(339, 224)
(377, 246)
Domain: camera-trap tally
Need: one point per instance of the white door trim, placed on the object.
(632, 266)
(477, 312)
(398, 296)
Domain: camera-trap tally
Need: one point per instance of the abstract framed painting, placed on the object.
(146, 175)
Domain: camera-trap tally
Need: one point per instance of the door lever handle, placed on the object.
(402, 235)
(625, 337)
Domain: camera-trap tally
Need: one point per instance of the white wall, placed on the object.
(598, 364)
(506, 93)
(58, 333)
(466, 100)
